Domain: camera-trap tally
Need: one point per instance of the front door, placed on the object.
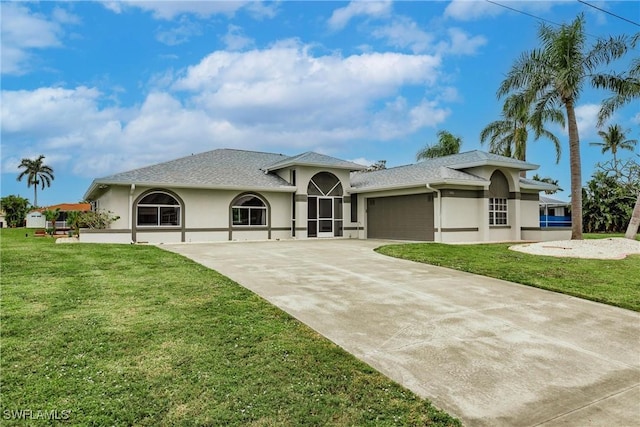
(325, 216)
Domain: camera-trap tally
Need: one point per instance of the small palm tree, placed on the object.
(555, 74)
(614, 138)
(447, 145)
(52, 216)
(37, 173)
(508, 136)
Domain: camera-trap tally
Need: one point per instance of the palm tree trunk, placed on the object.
(634, 222)
(35, 196)
(576, 172)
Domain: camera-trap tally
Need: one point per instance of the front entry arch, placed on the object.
(324, 206)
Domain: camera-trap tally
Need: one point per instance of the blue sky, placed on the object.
(104, 87)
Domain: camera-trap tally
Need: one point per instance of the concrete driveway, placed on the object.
(487, 351)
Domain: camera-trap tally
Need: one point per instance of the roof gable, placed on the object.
(314, 159)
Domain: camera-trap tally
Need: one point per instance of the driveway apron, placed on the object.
(490, 352)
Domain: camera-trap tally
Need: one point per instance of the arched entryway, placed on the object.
(324, 206)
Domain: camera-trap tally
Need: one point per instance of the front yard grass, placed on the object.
(614, 282)
(133, 335)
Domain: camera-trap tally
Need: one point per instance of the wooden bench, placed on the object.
(40, 233)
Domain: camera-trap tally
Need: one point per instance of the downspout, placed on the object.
(439, 209)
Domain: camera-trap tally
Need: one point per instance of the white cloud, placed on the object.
(363, 161)
(405, 33)
(587, 119)
(341, 17)
(168, 10)
(460, 43)
(235, 39)
(179, 34)
(280, 98)
(24, 31)
(636, 119)
(470, 10)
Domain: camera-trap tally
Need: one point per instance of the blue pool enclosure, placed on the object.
(554, 213)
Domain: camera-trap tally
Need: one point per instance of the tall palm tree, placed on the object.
(37, 173)
(509, 136)
(447, 144)
(555, 74)
(612, 140)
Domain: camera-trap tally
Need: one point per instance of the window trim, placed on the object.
(158, 207)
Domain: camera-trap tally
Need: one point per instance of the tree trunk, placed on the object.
(576, 172)
(634, 222)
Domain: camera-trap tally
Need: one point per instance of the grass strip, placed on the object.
(614, 282)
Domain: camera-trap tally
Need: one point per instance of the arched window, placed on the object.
(248, 210)
(498, 199)
(158, 209)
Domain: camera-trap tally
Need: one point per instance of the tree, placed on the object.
(508, 136)
(634, 222)
(612, 140)
(51, 216)
(15, 209)
(447, 145)
(377, 166)
(37, 173)
(555, 74)
(73, 221)
(625, 86)
(548, 180)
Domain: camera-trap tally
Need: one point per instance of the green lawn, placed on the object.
(614, 282)
(134, 335)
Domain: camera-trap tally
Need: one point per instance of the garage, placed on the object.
(401, 217)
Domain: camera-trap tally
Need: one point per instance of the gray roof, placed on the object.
(544, 200)
(412, 175)
(439, 170)
(536, 185)
(223, 168)
(314, 159)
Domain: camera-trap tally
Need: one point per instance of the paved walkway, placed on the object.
(487, 351)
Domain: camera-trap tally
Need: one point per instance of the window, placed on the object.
(497, 211)
(158, 209)
(498, 196)
(249, 210)
(354, 208)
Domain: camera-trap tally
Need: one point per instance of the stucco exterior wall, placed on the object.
(529, 214)
(206, 213)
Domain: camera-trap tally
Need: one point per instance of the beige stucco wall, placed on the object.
(206, 215)
(529, 213)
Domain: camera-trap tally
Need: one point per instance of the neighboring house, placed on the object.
(554, 212)
(3, 220)
(36, 218)
(244, 195)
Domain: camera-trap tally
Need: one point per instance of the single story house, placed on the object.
(36, 218)
(229, 194)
